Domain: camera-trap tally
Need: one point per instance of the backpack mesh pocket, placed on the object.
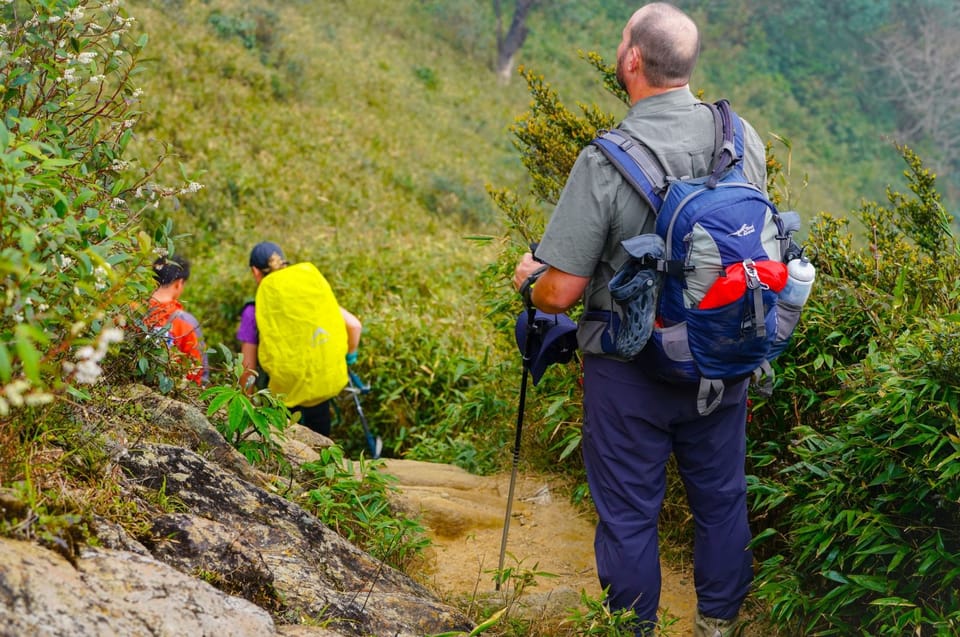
(724, 341)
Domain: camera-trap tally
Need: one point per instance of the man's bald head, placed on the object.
(668, 41)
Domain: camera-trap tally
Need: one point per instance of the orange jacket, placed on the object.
(182, 332)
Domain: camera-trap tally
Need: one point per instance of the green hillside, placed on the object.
(362, 135)
(368, 159)
(354, 138)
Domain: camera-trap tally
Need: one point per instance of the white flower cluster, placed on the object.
(69, 76)
(124, 23)
(85, 57)
(87, 369)
(102, 277)
(191, 188)
(18, 393)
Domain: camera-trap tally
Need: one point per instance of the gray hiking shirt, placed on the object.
(598, 209)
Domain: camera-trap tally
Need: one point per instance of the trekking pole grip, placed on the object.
(526, 290)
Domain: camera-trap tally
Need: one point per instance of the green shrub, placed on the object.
(72, 255)
(254, 424)
(352, 498)
(856, 454)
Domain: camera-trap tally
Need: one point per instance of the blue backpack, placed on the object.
(700, 298)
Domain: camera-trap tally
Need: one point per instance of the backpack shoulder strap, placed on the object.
(729, 149)
(636, 163)
(643, 170)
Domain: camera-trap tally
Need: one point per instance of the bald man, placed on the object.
(632, 422)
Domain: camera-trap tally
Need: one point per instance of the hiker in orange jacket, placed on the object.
(181, 329)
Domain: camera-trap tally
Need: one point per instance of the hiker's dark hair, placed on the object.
(166, 270)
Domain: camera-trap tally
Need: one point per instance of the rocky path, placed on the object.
(465, 513)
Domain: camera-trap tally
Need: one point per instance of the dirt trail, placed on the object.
(464, 514)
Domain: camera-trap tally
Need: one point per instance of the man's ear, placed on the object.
(635, 59)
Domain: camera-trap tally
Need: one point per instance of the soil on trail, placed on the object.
(464, 515)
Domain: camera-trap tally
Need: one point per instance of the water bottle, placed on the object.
(800, 276)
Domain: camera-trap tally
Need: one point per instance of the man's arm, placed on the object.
(555, 291)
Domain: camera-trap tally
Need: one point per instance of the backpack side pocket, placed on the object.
(636, 289)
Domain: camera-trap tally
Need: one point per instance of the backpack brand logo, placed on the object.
(743, 231)
(319, 337)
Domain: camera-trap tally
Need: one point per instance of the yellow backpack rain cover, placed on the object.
(303, 337)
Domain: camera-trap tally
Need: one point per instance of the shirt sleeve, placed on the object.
(577, 232)
(247, 332)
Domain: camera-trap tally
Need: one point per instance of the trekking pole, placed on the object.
(356, 388)
(531, 313)
(527, 347)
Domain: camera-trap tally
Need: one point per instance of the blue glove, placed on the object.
(351, 358)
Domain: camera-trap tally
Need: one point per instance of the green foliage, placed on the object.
(596, 618)
(463, 436)
(466, 26)
(253, 26)
(511, 583)
(856, 453)
(550, 137)
(254, 423)
(71, 254)
(352, 498)
(514, 580)
(27, 514)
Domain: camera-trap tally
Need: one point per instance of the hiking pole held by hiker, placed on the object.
(525, 291)
(543, 339)
(356, 387)
(531, 311)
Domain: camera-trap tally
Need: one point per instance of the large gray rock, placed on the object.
(222, 554)
(271, 551)
(114, 593)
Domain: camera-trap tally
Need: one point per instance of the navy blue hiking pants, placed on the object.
(631, 426)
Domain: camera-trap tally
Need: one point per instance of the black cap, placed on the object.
(267, 256)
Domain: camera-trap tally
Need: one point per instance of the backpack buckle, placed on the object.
(753, 277)
(756, 286)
